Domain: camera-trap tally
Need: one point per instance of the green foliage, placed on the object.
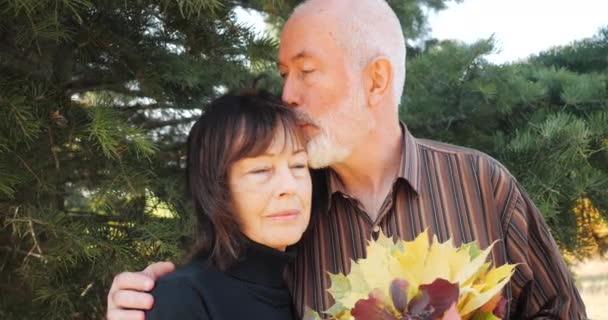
(583, 56)
(413, 15)
(545, 118)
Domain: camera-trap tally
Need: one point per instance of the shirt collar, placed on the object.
(409, 168)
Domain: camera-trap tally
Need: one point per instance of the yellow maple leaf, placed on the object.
(468, 271)
(418, 262)
(373, 272)
(436, 265)
(491, 285)
(410, 264)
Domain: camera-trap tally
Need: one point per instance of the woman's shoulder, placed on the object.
(198, 276)
(178, 295)
(190, 272)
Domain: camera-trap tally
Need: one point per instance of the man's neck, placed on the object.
(369, 172)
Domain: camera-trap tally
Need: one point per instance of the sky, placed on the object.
(520, 27)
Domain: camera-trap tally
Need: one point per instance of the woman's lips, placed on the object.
(284, 215)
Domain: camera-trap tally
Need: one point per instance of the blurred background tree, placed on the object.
(545, 118)
(97, 97)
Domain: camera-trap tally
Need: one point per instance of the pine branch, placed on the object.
(145, 107)
(96, 216)
(159, 105)
(34, 238)
(28, 220)
(52, 147)
(101, 86)
(29, 169)
(27, 254)
(153, 124)
(86, 83)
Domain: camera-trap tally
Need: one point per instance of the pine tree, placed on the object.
(545, 118)
(96, 98)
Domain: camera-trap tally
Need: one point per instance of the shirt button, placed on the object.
(376, 229)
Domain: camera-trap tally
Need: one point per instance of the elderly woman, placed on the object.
(249, 181)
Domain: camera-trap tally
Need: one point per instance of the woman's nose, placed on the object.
(286, 182)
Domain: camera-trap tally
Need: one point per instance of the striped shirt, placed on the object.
(456, 193)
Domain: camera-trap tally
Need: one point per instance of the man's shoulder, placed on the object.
(479, 158)
(433, 146)
(447, 148)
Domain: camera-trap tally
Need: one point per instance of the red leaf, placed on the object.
(399, 294)
(419, 303)
(500, 309)
(371, 309)
(442, 294)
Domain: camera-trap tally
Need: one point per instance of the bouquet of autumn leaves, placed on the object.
(418, 280)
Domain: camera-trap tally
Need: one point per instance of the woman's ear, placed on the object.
(378, 80)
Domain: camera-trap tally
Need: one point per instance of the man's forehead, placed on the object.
(298, 55)
(304, 25)
(306, 43)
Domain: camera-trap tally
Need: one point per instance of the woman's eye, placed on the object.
(260, 171)
(299, 166)
(308, 71)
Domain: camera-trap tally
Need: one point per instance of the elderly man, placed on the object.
(343, 64)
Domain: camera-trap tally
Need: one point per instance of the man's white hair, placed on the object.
(367, 29)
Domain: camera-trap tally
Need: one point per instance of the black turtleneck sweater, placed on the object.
(252, 288)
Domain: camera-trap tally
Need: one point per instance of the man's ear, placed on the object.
(378, 80)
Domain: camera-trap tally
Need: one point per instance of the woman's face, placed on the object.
(271, 193)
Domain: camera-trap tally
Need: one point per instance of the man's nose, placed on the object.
(291, 92)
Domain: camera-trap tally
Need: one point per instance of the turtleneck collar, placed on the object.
(261, 264)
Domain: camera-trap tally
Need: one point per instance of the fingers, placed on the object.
(125, 299)
(158, 269)
(137, 281)
(119, 314)
(125, 289)
(129, 291)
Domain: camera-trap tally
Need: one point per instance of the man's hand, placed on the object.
(129, 296)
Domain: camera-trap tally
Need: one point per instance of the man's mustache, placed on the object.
(306, 119)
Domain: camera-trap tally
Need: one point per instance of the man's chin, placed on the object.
(323, 151)
(310, 131)
(319, 159)
(317, 165)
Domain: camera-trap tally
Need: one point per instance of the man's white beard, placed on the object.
(326, 148)
(323, 150)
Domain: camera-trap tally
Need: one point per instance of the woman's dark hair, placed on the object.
(233, 127)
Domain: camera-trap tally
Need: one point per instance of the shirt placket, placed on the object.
(374, 226)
